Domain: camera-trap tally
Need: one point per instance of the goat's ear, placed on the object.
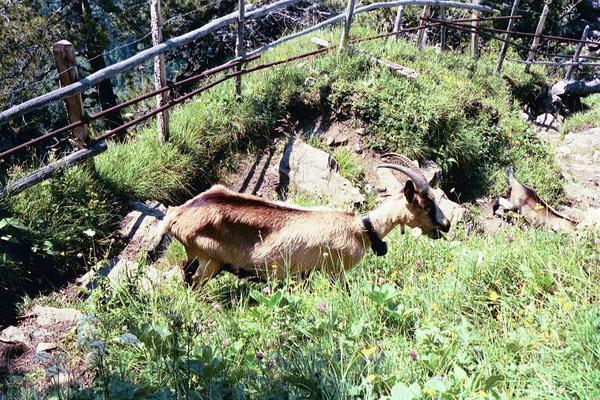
(409, 191)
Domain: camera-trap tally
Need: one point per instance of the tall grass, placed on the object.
(511, 315)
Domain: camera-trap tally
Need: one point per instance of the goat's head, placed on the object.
(421, 204)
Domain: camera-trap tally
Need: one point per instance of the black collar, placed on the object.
(378, 246)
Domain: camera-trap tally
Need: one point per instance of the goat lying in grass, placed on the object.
(525, 201)
(221, 229)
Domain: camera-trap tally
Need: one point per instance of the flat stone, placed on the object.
(337, 140)
(547, 122)
(13, 334)
(47, 316)
(387, 181)
(313, 171)
(140, 228)
(45, 346)
(432, 172)
(453, 211)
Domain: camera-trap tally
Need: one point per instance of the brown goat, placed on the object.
(533, 208)
(221, 230)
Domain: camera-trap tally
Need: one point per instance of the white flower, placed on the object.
(90, 232)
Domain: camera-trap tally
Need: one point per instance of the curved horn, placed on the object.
(419, 181)
(407, 162)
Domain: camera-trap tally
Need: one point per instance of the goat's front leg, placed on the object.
(199, 270)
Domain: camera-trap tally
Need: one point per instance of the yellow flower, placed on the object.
(451, 268)
(434, 308)
(371, 377)
(429, 392)
(538, 207)
(368, 351)
(493, 295)
(482, 394)
(274, 266)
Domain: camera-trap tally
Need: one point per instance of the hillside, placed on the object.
(506, 314)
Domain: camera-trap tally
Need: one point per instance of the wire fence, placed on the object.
(237, 67)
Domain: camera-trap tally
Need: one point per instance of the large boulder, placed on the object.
(307, 169)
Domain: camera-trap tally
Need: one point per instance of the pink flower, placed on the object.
(225, 342)
(267, 291)
(419, 263)
(270, 363)
(597, 241)
(259, 355)
(510, 238)
(285, 334)
(412, 355)
(322, 307)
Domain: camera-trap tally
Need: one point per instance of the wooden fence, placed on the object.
(72, 88)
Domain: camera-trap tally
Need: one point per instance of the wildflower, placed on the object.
(418, 263)
(128, 338)
(510, 238)
(597, 241)
(412, 355)
(90, 232)
(434, 308)
(259, 355)
(367, 352)
(274, 267)
(469, 228)
(451, 268)
(371, 377)
(267, 291)
(270, 363)
(285, 334)
(493, 296)
(79, 255)
(226, 342)
(216, 306)
(322, 307)
(429, 392)
(325, 254)
(538, 207)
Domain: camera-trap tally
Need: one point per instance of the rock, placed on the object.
(140, 228)
(44, 346)
(388, 182)
(47, 316)
(432, 172)
(336, 140)
(453, 211)
(13, 334)
(547, 122)
(358, 148)
(361, 131)
(590, 219)
(579, 160)
(311, 170)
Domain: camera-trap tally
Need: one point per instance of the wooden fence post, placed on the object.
(64, 58)
(398, 21)
(575, 59)
(240, 50)
(422, 33)
(504, 48)
(536, 38)
(160, 79)
(443, 28)
(347, 24)
(475, 14)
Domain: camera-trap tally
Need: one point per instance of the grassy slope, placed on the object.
(585, 119)
(530, 305)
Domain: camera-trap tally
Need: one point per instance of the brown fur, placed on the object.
(533, 208)
(221, 228)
